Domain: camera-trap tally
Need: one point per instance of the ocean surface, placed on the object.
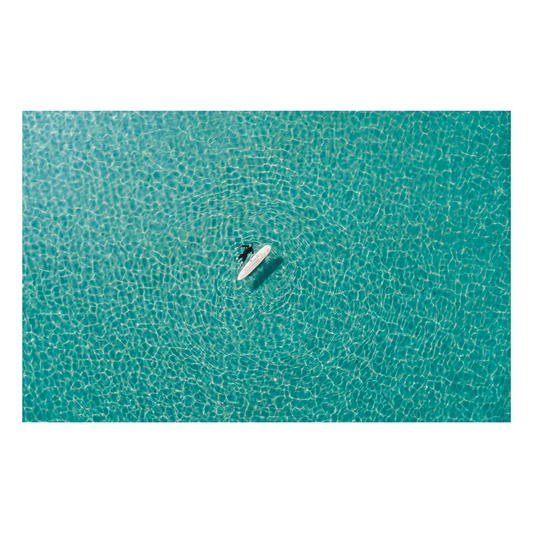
(386, 296)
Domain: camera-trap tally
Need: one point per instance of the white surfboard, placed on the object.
(254, 262)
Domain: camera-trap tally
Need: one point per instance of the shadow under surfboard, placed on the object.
(264, 271)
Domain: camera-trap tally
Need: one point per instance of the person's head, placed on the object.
(251, 244)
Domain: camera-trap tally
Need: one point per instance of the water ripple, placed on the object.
(386, 296)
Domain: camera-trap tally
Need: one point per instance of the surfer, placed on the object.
(248, 249)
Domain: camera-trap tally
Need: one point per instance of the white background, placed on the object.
(14, 432)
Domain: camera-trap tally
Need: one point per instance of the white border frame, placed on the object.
(14, 432)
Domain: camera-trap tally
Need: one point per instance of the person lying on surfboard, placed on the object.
(248, 248)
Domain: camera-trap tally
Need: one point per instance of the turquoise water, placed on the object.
(386, 296)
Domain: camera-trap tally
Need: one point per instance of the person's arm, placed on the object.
(245, 245)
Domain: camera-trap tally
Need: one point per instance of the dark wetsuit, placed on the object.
(248, 248)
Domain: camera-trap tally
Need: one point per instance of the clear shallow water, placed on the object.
(386, 296)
